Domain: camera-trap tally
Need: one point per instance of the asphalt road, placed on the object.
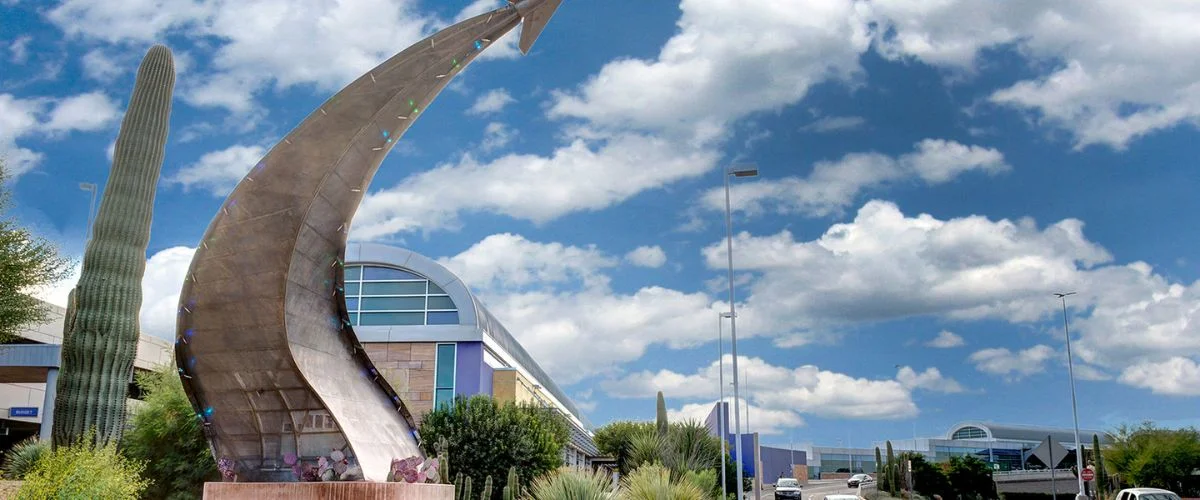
(816, 490)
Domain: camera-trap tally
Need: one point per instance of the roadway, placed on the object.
(816, 489)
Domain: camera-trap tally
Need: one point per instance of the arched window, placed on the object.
(386, 296)
(970, 432)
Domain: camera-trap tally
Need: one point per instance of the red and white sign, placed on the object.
(1088, 475)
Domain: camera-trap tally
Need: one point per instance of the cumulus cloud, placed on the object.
(766, 421)
(492, 101)
(84, 112)
(1110, 83)
(833, 185)
(1177, 376)
(218, 172)
(20, 49)
(805, 389)
(21, 118)
(511, 262)
(946, 339)
(495, 136)
(1011, 365)
(827, 124)
(647, 256)
(931, 380)
(165, 272)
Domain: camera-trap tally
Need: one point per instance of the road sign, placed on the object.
(21, 411)
(1088, 475)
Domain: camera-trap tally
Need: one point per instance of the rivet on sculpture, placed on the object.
(263, 338)
(100, 331)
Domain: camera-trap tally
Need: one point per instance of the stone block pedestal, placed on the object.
(358, 490)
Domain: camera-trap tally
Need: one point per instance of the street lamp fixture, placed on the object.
(1074, 407)
(742, 170)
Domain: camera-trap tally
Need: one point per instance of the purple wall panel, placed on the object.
(467, 374)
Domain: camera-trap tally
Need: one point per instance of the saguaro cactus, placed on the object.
(661, 415)
(512, 489)
(486, 494)
(101, 334)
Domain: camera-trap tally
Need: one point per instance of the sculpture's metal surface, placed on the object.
(263, 338)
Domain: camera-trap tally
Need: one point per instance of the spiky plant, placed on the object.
(20, 459)
(571, 483)
(661, 415)
(486, 494)
(466, 489)
(101, 328)
(1101, 474)
(512, 489)
(653, 482)
(891, 472)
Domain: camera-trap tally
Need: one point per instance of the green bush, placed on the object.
(486, 438)
(616, 440)
(571, 484)
(653, 482)
(84, 470)
(166, 435)
(19, 460)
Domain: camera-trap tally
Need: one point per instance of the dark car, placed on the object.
(857, 479)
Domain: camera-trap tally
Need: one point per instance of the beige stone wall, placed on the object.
(408, 367)
(508, 385)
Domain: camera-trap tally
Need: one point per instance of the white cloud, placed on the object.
(20, 49)
(1177, 376)
(18, 118)
(218, 172)
(804, 389)
(827, 124)
(165, 272)
(575, 178)
(493, 101)
(1011, 365)
(84, 112)
(511, 262)
(99, 65)
(766, 421)
(647, 256)
(58, 293)
(1111, 83)
(495, 136)
(931, 380)
(885, 265)
(833, 185)
(946, 339)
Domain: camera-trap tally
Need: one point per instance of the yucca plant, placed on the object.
(19, 460)
(571, 484)
(653, 482)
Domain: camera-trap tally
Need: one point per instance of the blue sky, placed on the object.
(930, 174)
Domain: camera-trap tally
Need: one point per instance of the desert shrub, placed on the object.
(19, 460)
(84, 470)
(571, 484)
(653, 482)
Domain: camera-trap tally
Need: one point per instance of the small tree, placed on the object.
(166, 435)
(1101, 474)
(1149, 456)
(485, 438)
(970, 477)
(616, 441)
(26, 263)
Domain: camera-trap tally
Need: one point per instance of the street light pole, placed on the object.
(1074, 407)
(744, 171)
(721, 404)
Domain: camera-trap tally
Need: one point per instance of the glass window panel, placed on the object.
(408, 288)
(441, 303)
(443, 318)
(354, 318)
(353, 273)
(393, 303)
(351, 289)
(387, 273)
(435, 290)
(443, 397)
(444, 378)
(385, 319)
(351, 303)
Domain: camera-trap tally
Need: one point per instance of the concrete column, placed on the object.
(44, 434)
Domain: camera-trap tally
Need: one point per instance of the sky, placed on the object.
(931, 172)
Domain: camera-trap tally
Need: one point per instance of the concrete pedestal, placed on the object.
(359, 490)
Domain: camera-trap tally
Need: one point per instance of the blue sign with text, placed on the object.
(22, 411)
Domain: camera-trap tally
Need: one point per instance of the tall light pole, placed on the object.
(1074, 407)
(736, 171)
(88, 186)
(721, 425)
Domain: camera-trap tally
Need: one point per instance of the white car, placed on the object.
(1146, 494)
(787, 488)
(857, 479)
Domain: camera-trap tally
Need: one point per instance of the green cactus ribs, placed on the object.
(101, 329)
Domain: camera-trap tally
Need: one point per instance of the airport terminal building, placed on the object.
(432, 340)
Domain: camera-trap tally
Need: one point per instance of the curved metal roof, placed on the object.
(1013, 432)
(476, 315)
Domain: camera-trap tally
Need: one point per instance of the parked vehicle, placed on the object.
(856, 479)
(787, 488)
(1146, 494)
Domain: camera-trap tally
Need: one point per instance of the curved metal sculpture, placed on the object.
(263, 338)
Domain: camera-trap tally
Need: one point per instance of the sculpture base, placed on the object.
(328, 491)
